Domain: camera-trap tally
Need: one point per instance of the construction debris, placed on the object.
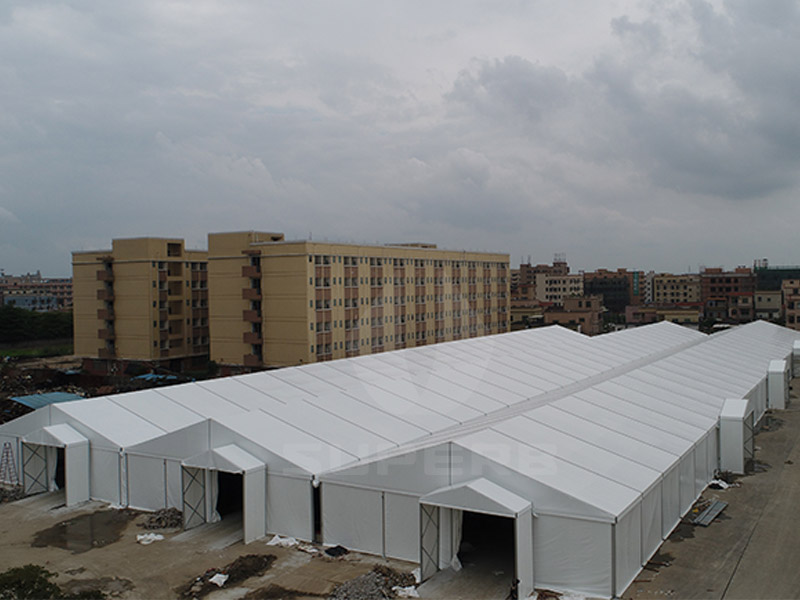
(283, 542)
(375, 585)
(244, 567)
(165, 518)
(336, 551)
(148, 538)
(11, 493)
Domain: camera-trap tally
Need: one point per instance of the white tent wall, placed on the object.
(670, 500)
(289, 508)
(573, 555)
(147, 485)
(523, 553)
(758, 399)
(401, 526)
(352, 517)
(795, 358)
(105, 476)
(76, 476)
(651, 509)
(254, 502)
(687, 482)
(628, 557)
(778, 384)
(736, 425)
(173, 472)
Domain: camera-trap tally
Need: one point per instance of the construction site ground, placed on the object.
(98, 546)
(750, 550)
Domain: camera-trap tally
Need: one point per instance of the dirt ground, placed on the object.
(95, 546)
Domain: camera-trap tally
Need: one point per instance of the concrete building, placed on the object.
(672, 289)
(618, 288)
(688, 313)
(725, 294)
(581, 313)
(276, 302)
(790, 289)
(34, 292)
(555, 288)
(145, 299)
(769, 305)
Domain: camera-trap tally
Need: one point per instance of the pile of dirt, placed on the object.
(274, 592)
(10, 494)
(375, 585)
(165, 518)
(244, 567)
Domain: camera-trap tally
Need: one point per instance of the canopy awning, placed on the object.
(61, 436)
(478, 495)
(230, 458)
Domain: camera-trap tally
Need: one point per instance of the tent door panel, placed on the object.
(34, 468)
(749, 442)
(194, 497)
(429, 540)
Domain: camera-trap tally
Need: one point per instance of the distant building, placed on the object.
(770, 278)
(790, 289)
(769, 305)
(728, 295)
(144, 299)
(618, 288)
(674, 289)
(276, 302)
(581, 313)
(688, 313)
(34, 292)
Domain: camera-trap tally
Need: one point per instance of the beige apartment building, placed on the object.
(275, 302)
(556, 287)
(673, 289)
(144, 299)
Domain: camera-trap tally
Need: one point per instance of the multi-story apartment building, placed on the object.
(769, 304)
(555, 288)
(581, 313)
(618, 288)
(791, 302)
(34, 292)
(145, 299)
(728, 295)
(276, 302)
(673, 289)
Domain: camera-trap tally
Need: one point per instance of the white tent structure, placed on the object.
(594, 447)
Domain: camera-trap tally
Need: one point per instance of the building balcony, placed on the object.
(251, 294)
(251, 271)
(105, 314)
(252, 337)
(162, 275)
(199, 275)
(107, 295)
(106, 353)
(103, 275)
(162, 295)
(163, 334)
(105, 334)
(200, 331)
(199, 313)
(251, 316)
(252, 360)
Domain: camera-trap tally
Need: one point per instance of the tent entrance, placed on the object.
(225, 482)
(487, 544)
(230, 496)
(56, 457)
(487, 528)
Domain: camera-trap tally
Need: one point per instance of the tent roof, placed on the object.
(60, 435)
(229, 458)
(479, 495)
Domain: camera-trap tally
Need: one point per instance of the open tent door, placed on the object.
(484, 500)
(56, 453)
(228, 466)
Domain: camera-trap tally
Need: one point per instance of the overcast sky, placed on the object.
(654, 135)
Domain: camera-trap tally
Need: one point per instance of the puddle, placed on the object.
(111, 586)
(660, 559)
(683, 531)
(83, 533)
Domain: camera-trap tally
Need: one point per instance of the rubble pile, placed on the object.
(165, 518)
(375, 585)
(249, 565)
(11, 493)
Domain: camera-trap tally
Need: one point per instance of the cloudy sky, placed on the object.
(657, 134)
